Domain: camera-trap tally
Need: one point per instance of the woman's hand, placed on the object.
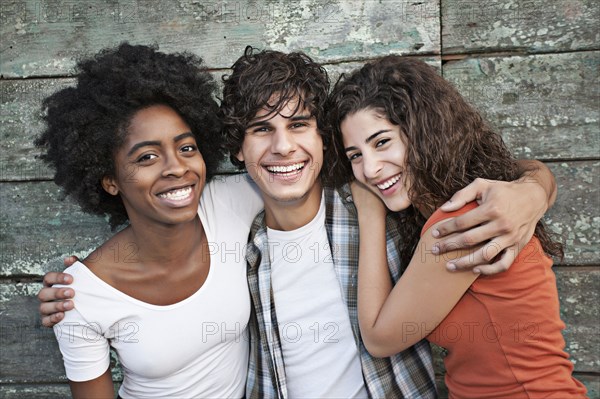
(367, 203)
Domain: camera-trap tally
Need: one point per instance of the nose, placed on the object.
(283, 142)
(371, 166)
(175, 166)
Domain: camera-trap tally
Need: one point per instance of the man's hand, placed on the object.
(54, 301)
(505, 221)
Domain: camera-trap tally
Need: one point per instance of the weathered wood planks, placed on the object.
(42, 38)
(546, 106)
(470, 26)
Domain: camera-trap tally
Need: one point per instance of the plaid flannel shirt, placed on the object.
(408, 374)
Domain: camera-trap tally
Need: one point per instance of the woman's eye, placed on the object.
(146, 158)
(189, 148)
(353, 157)
(381, 142)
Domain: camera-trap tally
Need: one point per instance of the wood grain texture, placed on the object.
(545, 106)
(43, 38)
(470, 26)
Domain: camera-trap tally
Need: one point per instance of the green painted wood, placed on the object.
(470, 26)
(42, 38)
(29, 353)
(546, 106)
(575, 216)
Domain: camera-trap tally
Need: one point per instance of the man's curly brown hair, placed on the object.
(257, 76)
(448, 143)
(87, 123)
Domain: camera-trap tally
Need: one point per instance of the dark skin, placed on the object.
(162, 257)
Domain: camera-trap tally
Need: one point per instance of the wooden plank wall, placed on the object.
(530, 66)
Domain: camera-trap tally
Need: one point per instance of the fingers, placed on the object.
(69, 260)
(464, 222)
(50, 321)
(53, 312)
(501, 265)
(469, 236)
(52, 278)
(462, 197)
(49, 294)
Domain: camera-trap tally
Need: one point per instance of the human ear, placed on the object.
(240, 156)
(110, 185)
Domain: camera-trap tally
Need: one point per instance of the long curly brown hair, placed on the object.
(448, 143)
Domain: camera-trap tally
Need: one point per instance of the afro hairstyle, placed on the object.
(86, 124)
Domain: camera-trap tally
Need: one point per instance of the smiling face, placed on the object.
(377, 152)
(283, 155)
(160, 172)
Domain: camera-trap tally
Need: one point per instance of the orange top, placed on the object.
(504, 335)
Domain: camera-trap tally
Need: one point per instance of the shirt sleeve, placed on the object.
(85, 351)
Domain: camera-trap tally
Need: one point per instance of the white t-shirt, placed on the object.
(319, 350)
(194, 348)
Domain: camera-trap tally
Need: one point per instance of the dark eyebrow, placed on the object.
(143, 144)
(265, 122)
(157, 143)
(369, 139)
(183, 136)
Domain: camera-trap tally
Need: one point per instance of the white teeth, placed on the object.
(285, 169)
(177, 195)
(389, 183)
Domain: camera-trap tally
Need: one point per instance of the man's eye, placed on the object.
(299, 124)
(189, 148)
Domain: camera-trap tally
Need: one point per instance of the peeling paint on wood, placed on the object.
(42, 38)
(546, 106)
(523, 25)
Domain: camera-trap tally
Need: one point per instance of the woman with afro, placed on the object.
(411, 141)
(136, 140)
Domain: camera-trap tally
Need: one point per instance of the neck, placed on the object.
(165, 245)
(291, 215)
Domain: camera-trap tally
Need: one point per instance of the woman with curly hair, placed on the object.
(136, 140)
(411, 141)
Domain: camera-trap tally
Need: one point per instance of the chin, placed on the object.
(396, 204)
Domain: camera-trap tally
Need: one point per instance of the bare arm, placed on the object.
(98, 388)
(55, 301)
(504, 221)
(393, 319)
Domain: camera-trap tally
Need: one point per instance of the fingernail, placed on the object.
(476, 271)
(68, 305)
(451, 266)
(68, 293)
(64, 279)
(435, 250)
(435, 233)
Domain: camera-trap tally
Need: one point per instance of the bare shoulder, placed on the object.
(108, 260)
